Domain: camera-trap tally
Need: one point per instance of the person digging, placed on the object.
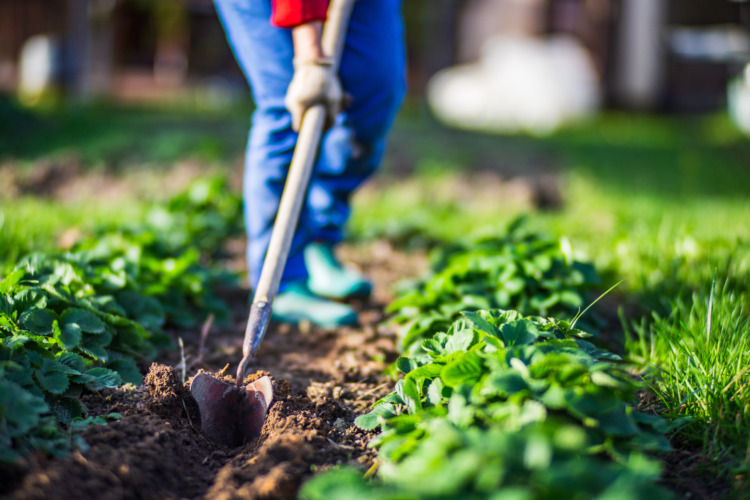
(304, 159)
(278, 46)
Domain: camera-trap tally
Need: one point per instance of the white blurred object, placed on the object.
(739, 100)
(519, 84)
(38, 66)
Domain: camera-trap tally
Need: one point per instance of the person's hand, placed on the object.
(314, 82)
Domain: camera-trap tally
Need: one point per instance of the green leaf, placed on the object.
(571, 298)
(127, 369)
(53, 381)
(14, 341)
(80, 424)
(82, 320)
(38, 321)
(30, 297)
(604, 379)
(390, 398)
(465, 370)
(20, 408)
(71, 360)
(538, 452)
(477, 321)
(367, 422)
(435, 392)
(69, 336)
(432, 346)
(66, 409)
(373, 419)
(412, 396)
(405, 364)
(95, 345)
(505, 383)
(460, 341)
(618, 422)
(12, 280)
(147, 311)
(519, 332)
(100, 378)
(514, 285)
(426, 372)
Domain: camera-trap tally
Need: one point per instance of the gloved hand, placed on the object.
(314, 82)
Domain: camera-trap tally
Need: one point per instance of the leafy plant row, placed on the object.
(520, 270)
(507, 406)
(79, 320)
(497, 400)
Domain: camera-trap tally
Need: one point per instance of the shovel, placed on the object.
(233, 414)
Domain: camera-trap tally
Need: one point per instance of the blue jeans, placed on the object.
(372, 71)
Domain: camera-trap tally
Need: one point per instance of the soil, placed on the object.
(322, 380)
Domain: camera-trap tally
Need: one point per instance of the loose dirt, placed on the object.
(322, 381)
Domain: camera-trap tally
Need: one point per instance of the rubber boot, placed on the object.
(297, 303)
(328, 278)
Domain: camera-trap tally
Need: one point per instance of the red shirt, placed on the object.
(290, 13)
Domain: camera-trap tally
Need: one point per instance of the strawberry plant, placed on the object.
(518, 270)
(53, 345)
(77, 321)
(502, 402)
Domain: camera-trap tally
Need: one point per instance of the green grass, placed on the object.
(118, 135)
(697, 359)
(32, 224)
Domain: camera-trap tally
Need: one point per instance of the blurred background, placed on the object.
(660, 55)
(609, 118)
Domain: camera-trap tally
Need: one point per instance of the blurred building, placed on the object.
(674, 55)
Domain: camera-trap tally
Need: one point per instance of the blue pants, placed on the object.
(372, 71)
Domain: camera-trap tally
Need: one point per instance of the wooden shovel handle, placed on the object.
(295, 189)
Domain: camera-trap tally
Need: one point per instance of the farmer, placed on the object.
(278, 46)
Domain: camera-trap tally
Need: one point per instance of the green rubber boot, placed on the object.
(297, 303)
(328, 278)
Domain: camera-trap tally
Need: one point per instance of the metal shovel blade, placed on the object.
(230, 414)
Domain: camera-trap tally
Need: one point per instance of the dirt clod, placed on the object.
(165, 391)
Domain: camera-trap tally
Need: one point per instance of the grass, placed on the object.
(697, 359)
(118, 135)
(32, 224)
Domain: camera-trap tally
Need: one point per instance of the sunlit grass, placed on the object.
(31, 224)
(697, 359)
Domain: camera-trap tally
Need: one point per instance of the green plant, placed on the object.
(519, 270)
(503, 403)
(201, 218)
(54, 343)
(697, 360)
(78, 320)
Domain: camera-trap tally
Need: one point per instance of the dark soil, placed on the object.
(322, 381)
(690, 474)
